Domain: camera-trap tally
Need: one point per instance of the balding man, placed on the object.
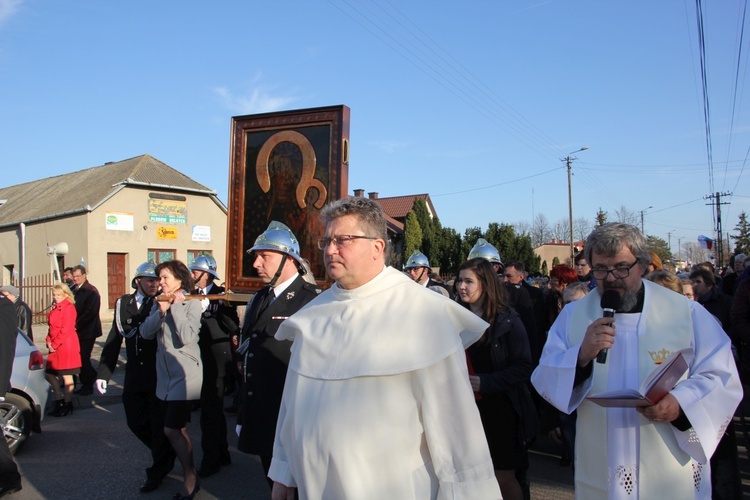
(23, 311)
(731, 278)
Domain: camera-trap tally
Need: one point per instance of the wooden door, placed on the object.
(117, 282)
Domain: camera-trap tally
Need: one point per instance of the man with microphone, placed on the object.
(653, 451)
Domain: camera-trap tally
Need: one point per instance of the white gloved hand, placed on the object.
(204, 304)
(101, 385)
(238, 429)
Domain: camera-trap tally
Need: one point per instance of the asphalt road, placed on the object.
(92, 454)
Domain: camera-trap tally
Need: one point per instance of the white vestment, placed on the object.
(377, 402)
(619, 453)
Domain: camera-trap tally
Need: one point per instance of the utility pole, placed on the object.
(669, 241)
(716, 200)
(642, 212)
(569, 163)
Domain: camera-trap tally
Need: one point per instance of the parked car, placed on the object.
(23, 409)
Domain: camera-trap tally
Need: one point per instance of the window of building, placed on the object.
(194, 254)
(157, 256)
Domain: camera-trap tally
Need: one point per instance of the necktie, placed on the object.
(146, 305)
(265, 301)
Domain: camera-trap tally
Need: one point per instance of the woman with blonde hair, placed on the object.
(64, 358)
(667, 280)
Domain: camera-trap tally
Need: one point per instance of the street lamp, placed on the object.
(642, 230)
(569, 162)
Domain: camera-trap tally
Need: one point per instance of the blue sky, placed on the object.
(473, 102)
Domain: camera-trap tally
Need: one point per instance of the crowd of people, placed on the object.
(402, 385)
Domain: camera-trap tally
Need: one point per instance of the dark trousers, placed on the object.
(265, 461)
(8, 470)
(725, 473)
(213, 422)
(144, 413)
(568, 435)
(88, 374)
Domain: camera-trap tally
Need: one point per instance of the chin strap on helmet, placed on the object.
(278, 271)
(421, 275)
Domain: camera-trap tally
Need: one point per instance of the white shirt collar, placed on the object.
(279, 288)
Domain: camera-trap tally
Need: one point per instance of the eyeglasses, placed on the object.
(619, 272)
(342, 240)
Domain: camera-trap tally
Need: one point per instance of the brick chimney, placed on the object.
(373, 195)
(359, 193)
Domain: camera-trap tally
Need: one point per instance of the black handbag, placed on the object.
(528, 425)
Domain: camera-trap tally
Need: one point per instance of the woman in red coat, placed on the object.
(64, 357)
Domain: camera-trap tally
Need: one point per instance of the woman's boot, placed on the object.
(66, 408)
(57, 409)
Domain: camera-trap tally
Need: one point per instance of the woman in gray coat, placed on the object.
(175, 323)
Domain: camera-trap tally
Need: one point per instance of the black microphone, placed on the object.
(610, 302)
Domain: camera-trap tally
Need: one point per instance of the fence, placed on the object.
(37, 293)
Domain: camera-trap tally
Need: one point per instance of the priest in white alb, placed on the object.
(377, 402)
(659, 451)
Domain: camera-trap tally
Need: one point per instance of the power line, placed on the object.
(496, 185)
(704, 85)
(736, 81)
(668, 166)
(453, 77)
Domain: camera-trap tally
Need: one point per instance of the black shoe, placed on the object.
(84, 391)
(190, 496)
(65, 409)
(10, 488)
(57, 409)
(150, 485)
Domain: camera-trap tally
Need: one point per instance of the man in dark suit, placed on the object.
(514, 275)
(218, 324)
(88, 326)
(10, 479)
(265, 359)
(418, 267)
(144, 412)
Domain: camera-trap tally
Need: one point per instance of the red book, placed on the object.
(654, 388)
